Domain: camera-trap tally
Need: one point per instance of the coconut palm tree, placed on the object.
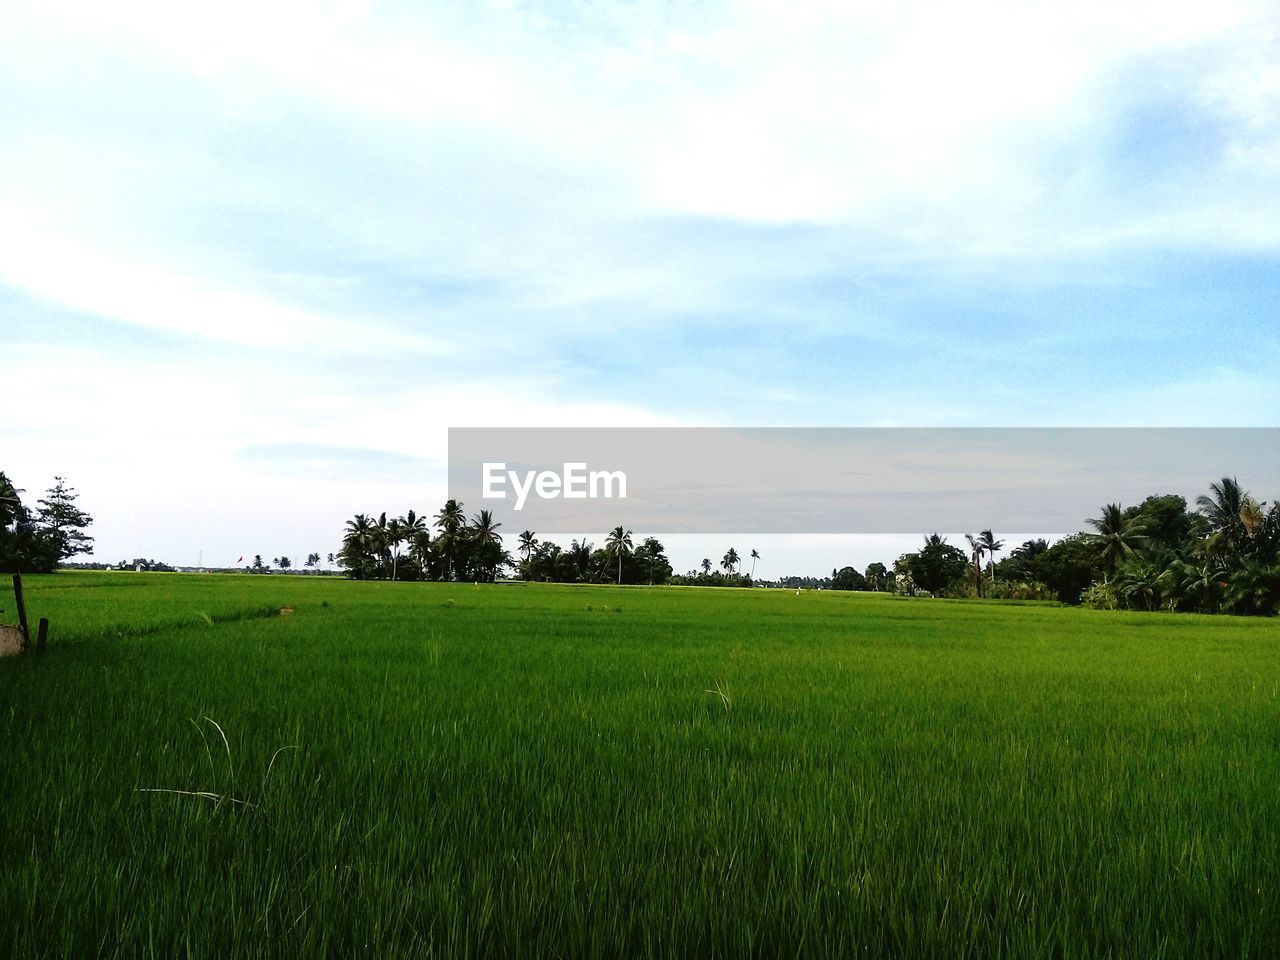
(755, 555)
(528, 544)
(395, 537)
(1224, 503)
(581, 554)
(356, 545)
(1254, 589)
(991, 546)
(404, 530)
(1118, 538)
(877, 575)
(706, 566)
(976, 550)
(730, 560)
(380, 537)
(487, 543)
(450, 520)
(618, 544)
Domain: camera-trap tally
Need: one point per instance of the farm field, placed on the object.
(530, 770)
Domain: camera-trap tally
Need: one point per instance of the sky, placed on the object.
(256, 259)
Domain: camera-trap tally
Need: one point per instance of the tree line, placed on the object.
(1223, 556)
(452, 547)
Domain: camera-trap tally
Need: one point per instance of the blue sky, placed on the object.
(255, 261)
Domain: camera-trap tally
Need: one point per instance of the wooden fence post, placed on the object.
(22, 611)
(42, 634)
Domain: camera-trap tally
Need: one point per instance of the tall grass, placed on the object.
(408, 769)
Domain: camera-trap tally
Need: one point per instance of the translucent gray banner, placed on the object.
(840, 480)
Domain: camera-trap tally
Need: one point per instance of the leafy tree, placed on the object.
(258, 565)
(22, 547)
(1068, 567)
(284, 563)
(650, 562)
(63, 523)
(936, 565)
(706, 566)
(1167, 523)
(847, 578)
(1019, 565)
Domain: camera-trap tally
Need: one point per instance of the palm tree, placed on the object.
(755, 555)
(380, 535)
(1254, 589)
(356, 545)
(581, 554)
(976, 549)
(420, 550)
(488, 543)
(528, 544)
(730, 560)
(1230, 511)
(485, 529)
(618, 544)
(450, 520)
(395, 537)
(1188, 586)
(405, 530)
(877, 575)
(1223, 507)
(706, 567)
(992, 546)
(1118, 537)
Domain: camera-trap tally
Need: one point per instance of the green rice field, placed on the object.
(513, 770)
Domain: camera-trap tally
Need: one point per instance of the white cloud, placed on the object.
(70, 273)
